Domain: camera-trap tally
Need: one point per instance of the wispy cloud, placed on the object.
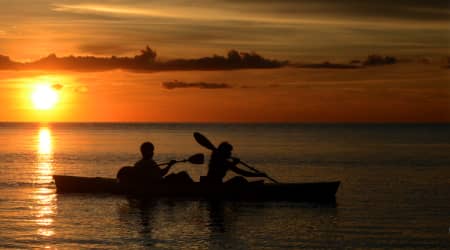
(110, 9)
(412, 15)
(178, 12)
(371, 60)
(200, 85)
(328, 65)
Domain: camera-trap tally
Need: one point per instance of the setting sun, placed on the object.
(44, 97)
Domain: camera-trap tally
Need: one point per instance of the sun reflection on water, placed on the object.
(45, 156)
(45, 142)
(44, 197)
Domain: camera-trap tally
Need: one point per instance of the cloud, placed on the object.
(371, 60)
(107, 9)
(145, 61)
(201, 85)
(328, 65)
(57, 86)
(377, 60)
(234, 60)
(281, 12)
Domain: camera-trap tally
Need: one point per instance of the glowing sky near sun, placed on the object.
(400, 93)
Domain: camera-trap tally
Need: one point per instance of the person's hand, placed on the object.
(172, 162)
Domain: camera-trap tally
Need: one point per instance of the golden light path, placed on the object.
(44, 197)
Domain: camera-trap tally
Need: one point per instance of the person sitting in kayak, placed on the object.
(145, 170)
(221, 161)
(148, 167)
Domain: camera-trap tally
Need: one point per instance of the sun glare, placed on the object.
(44, 97)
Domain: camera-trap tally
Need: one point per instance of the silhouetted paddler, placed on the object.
(221, 162)
(145, 170)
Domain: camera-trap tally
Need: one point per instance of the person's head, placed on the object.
(147, 149)
(225, 149)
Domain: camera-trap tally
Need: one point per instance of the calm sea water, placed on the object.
(395, 191)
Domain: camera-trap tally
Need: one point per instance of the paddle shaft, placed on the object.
(167, 163)
(257, 171)
(194, 159)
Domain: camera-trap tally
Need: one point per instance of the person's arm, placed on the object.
(245, 173)
(166, 170)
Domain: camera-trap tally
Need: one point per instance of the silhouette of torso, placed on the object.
(218, 167)
(147, 169)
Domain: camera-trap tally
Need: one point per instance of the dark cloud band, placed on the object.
(145, 61)
(200, 85)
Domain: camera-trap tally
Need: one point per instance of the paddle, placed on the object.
(256, 170)
(194, 159)
(202, 140)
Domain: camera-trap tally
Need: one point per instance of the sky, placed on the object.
(285, 29)
(415, 89)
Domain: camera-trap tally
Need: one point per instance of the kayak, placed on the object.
(313, 191)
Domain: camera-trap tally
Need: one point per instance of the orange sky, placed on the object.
(415, 89)
(409, 92)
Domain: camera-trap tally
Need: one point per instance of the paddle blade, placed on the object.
(197, 159)
(202, 140)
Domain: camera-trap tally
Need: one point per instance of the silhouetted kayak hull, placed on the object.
(317, 191)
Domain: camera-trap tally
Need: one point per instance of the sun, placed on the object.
(44, 97)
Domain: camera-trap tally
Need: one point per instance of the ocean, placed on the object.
(394, 193)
